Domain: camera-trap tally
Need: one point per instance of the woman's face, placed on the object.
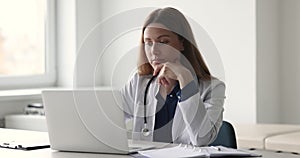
(161, 45)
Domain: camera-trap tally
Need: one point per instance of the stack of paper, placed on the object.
(190, 151)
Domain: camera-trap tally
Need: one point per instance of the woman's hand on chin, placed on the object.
(169, 72)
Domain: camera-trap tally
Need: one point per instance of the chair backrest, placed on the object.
(226, 136)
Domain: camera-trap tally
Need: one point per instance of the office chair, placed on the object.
(226, 136)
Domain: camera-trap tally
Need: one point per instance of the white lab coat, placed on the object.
(196, 121)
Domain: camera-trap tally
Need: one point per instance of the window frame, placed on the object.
(47, 79)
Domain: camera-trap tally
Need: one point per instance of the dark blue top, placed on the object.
(164, 116)
(167, 112)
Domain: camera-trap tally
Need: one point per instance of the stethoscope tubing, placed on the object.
(145, 98)
(145, 130)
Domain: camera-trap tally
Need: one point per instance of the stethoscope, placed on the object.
(145, 130)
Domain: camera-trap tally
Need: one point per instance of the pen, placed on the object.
(215, 147)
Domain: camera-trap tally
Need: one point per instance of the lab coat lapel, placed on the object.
(178, 125)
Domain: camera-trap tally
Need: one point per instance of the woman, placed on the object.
(182, 103)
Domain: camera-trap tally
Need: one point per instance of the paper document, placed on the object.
(23, 145)
(23, 139)
(190, 151)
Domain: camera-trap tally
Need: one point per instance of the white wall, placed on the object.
(278, 61)
(230, 24)
(290, 60)
(268, 81)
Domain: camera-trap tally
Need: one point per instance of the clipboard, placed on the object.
(23, 139)
(24, 145)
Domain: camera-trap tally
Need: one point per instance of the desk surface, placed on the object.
(7, 134)
(48, 153)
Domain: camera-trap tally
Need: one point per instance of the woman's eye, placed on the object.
(164, 42)
(148, 43)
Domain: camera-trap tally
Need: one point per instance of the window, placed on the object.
(26, 43)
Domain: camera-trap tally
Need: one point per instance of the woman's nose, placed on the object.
(155, 49)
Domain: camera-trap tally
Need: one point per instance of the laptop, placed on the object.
(88, 121)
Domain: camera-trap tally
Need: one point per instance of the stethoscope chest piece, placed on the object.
(145, 131)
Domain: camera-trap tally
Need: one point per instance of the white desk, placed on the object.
(6, 134)
(48, 153)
